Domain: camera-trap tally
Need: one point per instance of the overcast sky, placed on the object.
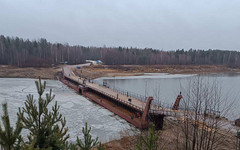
(160, 24)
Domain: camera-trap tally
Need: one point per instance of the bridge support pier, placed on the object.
(147, 117)
(157, 120)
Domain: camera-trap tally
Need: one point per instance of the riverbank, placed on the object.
(93, 72)
(28, 72)
(172, 137)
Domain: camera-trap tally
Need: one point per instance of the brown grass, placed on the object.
(15, 72)
(133, 70)
(93, 72)
(171, 138)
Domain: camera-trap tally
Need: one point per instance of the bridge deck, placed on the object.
(106, 91)
(135, 103)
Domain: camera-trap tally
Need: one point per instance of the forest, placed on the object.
(41, 53)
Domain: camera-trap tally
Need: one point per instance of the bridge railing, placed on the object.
(130, 94)
(135, 95)
(117, 98)
(124, 92)
(160, 103)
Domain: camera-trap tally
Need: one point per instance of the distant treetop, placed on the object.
(41, 53)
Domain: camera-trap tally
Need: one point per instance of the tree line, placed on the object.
(41, 53)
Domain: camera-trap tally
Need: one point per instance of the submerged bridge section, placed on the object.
(136, 111)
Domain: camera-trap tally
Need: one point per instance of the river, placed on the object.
(76, 108)
(168, 86)
(107, 126)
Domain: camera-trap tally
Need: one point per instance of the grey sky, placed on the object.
(161, 24)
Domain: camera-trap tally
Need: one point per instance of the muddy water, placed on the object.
(77, 109)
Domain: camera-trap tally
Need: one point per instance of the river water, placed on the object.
(107, 126)
(167, 86)
(76, 108)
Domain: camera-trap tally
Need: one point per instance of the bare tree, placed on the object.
(204, 110)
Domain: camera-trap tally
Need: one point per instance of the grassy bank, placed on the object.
(172, 138)
(15, 72)
(133, 70)
(93, 72)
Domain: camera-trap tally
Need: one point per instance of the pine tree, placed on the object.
(70, 146)
(148, 142)
(101, 147)
(43, 123)
(88, 142)
(9, 138)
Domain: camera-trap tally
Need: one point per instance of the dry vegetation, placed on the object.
(29, 72)
(93, 72)
(132, 70)
(171, 138)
